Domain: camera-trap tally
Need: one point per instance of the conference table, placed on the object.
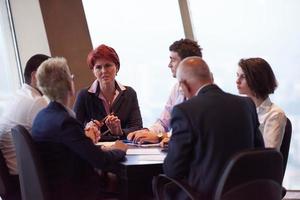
(135, 173)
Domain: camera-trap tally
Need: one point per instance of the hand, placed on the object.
(132, 135)
(119, 145)
(164, 143)
(142, 136)
(91, 131)
(113, 123)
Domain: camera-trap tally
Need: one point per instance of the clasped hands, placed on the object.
(92, 128)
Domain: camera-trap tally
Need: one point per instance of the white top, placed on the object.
(22, 110)
(272, 121)
(163, 123)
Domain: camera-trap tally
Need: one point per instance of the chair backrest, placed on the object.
(9, 188)
(32, 181)
(248, 166)
(5, 183)
(285, 145)
(258, 189)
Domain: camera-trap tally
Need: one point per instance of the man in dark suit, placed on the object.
(69, 156)
(207, 129)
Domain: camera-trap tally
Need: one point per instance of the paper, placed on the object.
(106, 144)
(143, 145)
(143, 151)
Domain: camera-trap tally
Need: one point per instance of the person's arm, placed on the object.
(274, 130)
(177, 162)
(163, 122)
(73, 137)
(134, 121)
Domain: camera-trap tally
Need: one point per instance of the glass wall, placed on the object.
(233, 29)
(9, 80)
(141, 33)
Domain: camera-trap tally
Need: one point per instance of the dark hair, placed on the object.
(105, 52)
(259, 76)
(32, 65)
(186, 48)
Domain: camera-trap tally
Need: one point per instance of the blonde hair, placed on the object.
(54, 78)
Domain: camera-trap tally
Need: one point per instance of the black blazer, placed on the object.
(68, 156)
(206, 131)
(89, 106)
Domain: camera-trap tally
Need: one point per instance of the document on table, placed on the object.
(106, 144)
(143, 151)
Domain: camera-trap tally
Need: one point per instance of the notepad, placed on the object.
(106, 144)
(143, 151)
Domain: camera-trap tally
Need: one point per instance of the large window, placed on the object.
(140, 32)
(232, 29)
(9, 79)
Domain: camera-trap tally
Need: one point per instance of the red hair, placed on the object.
(104, 52)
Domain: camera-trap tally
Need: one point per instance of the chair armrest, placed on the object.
(162, 179)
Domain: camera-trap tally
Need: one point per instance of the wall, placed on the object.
(56, 28)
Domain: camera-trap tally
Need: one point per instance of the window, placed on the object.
(9, 80)
(141, 33)
(231, 30)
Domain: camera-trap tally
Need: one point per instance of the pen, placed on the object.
(102, 120)
(105, 132)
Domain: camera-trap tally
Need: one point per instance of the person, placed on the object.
(69, 157)
(21, 109)
(208, 129)
(160, 130)
(256, 79)
(107, 98)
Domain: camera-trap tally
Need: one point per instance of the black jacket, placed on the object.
(206, 131)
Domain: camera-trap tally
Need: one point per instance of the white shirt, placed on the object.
(22, 110)
(163, 123)
(272, 121)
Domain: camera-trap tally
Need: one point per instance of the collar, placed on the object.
(207, 87)
(69, 111)
(265, 106)
(33, 92)
(95, 87)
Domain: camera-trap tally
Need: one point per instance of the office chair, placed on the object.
(285, 145)
(243, 175)
(32, 181)
(9, 186)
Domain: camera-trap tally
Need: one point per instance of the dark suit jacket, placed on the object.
(89, 106)
(68, 156)
(206, 131)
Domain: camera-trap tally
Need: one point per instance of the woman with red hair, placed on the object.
(107, 98)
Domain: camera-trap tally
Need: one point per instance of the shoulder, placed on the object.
(83, 92)
(129, 91)
(276, 112)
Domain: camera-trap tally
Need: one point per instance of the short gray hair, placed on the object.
(54, 78)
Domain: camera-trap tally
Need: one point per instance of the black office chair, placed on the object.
(32, 181)
(245, 172)
(285, 145)
(9, 185)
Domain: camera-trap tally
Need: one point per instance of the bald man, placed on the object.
(208, 129)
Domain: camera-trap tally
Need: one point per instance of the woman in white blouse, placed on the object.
(256, 79)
